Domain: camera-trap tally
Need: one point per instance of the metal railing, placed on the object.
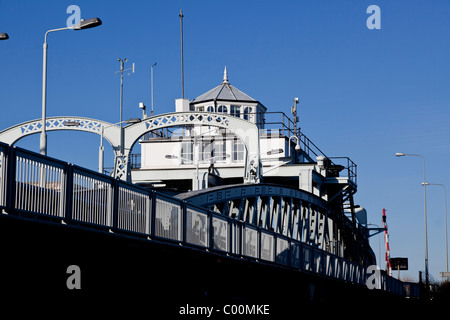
(46, 188)
(348, 165)
(279, 122)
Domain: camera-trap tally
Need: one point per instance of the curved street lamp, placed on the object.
(84, 24)
(4, 36)
(445, 224)
(424, 183)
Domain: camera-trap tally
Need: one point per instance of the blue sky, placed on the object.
(366, 94)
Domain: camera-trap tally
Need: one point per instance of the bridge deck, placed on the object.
(58, 213)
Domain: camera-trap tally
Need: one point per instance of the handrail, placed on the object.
(350, 166)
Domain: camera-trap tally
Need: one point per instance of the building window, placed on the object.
(187, 154)
(222, 109)
(210, 109)
(220, 151)
(238, 150)
(213, 150)
(236, 111)
(201, 109)
(207, 150)
(247, 111)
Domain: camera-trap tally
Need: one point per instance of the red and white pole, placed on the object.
(386, 241)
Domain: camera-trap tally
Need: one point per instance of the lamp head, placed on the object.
(87, 24)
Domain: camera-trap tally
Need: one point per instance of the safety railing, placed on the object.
(348, 165)
(3, 173)
(32, 184)
(38, 183)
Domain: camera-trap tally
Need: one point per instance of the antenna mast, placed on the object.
(153, 65)
(182, 68)
(122, 64)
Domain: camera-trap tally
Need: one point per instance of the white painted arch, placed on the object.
(15, 133)
(245, 130)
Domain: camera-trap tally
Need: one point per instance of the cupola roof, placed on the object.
(225, 91)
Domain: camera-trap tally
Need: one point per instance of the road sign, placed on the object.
(445, 274)
(399, 263)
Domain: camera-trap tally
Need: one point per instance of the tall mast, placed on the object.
(182, 67)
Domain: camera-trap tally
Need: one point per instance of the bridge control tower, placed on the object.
(194, 157)
(207, 165)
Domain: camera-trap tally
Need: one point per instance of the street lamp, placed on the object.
(445, 203)
(297, 144)
(399, 154)
(84, 24)
(4, 36)
(379, 230)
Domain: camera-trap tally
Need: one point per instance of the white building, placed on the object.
(195, 157)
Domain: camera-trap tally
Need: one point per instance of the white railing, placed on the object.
(32, 184)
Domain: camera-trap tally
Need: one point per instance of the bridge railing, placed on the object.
(46, 188)
(3, 174)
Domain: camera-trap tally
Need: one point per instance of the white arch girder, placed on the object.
(15, 133)
(245, 130)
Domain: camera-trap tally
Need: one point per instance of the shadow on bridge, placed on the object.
(129, 274)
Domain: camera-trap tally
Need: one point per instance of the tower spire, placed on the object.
(225, 75)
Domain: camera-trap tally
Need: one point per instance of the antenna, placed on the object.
(294, 114)
(182, 67)
(153, 65)
(122, 69)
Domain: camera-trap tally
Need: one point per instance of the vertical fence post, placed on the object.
(183, 221)
(153, 213)
(68, 193)
(211, 230)
(149, 213)
(115, 204)
(10, 179)
(259, 242)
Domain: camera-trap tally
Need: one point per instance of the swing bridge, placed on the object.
(262, 223)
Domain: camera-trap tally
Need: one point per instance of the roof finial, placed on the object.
(225, 75)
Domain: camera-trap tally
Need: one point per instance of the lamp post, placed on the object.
(445, 204)
(379, 230)
(297, 144)
(398, 154)
(4, 36)
(84, 24)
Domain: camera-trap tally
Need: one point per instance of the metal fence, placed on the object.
(47, 188)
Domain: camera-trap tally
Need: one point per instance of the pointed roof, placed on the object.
(224, 91)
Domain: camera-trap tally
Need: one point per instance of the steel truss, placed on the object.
(296, 214)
